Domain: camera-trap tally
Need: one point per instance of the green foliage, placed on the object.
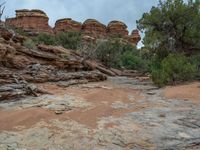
(110, 52)
(132, 60)
(69, 40)
(172, 26)
(29, 44)
(195, 60)
(17, 31)
(174, 68)
(44, 38)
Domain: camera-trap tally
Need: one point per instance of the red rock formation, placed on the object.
(32, 21)
(134, 38)
(93, 28)
(36, 21)
(67, 25)
(116, 28)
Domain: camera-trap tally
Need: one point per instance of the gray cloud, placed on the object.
(105, 11)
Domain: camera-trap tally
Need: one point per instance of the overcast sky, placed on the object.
(104, 11)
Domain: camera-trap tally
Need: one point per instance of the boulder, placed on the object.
(117, 28)
(67, 25)
(94, 28)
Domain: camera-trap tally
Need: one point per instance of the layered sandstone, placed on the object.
(94, 28)
(33, 21)
(33, 12)
(117, 28)
(36, 21)
(67, 25)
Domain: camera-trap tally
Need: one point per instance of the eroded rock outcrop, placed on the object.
(67, 25)
(117, 28)
(32, 21)
(94, 28)
(36, 21)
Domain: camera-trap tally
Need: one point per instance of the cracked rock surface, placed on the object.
(118, 114)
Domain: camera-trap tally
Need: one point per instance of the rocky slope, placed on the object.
(20, 66)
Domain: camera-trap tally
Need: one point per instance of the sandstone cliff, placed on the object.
(32, 21)
(36, 21)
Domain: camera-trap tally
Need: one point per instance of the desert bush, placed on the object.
(173, 69)
(110, 52)
(195, 60)
(69, 40)
(132, 60)
(44, 38)
(29, 44)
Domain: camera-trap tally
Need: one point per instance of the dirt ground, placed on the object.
(121, 113)
(190, 91)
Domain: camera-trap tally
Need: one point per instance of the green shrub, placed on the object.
(131, 60)
(196, 61)
(18, 31)
(46, 39)
(29, 44)
(69, 40)
(174, 68)
(111, 52)
(108, 52)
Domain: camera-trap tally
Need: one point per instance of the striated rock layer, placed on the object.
(117, 28)
(33, 21)
(21, 67)
(67, 25)
(94, 28)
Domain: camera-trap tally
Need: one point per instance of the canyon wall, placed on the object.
(36, 21)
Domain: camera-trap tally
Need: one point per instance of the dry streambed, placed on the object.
(118, 114)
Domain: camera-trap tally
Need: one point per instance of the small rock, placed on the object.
(55, 107)
(151, 93)
(162, 115)
(184, 135)
(58, 112)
